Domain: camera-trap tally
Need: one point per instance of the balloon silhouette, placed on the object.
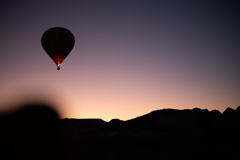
(58, 43)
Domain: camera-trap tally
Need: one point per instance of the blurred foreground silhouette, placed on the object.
(36, 132)
(32, 132)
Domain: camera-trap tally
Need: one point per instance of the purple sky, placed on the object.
(130, 56)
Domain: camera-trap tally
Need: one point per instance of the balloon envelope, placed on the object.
(58, 43)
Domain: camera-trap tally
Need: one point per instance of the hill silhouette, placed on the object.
(36, 132)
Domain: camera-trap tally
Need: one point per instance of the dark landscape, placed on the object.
(36, 132)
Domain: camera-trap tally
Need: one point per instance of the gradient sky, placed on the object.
(130, 56)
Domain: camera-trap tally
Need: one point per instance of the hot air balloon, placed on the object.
(58, 43)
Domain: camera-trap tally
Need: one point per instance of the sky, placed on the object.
(130, 56)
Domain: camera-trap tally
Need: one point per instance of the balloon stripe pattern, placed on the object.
(58, 43)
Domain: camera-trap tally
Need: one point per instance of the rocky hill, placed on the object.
(36, 133)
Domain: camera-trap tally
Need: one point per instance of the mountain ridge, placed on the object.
(161, 134)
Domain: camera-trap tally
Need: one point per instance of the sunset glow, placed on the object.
(129, 58)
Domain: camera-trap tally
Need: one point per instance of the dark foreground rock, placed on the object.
(36, 133)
